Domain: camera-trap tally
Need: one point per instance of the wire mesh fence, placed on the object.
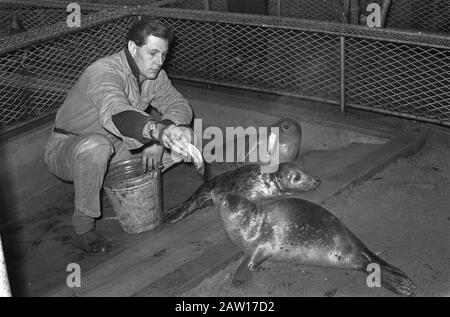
(22, 16)
(322, 10)
(35, 79)
(391, 74)
(265, 58)
(110, 3)
(421, 15)
(388, 71)
(412, 81)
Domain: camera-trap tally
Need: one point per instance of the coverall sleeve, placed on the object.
(107, 92)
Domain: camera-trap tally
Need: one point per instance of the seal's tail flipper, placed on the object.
(393, 278)
(396, 281)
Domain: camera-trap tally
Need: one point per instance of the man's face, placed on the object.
(150, 56)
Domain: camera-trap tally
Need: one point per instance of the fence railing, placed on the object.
(383, 70)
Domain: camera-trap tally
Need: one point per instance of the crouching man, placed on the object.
(102, 119)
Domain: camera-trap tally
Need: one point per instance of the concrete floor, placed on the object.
(402, 213)
(39, 252)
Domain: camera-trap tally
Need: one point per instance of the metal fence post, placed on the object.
(342, 53)
(206, 5)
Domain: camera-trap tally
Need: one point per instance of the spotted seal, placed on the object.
(289, 140)
(295, 230)
(250, 181)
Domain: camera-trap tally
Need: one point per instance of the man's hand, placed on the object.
(175, 138)
(181, 141)
(152, 156)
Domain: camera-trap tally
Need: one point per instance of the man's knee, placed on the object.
(97, 143)
(90, 157)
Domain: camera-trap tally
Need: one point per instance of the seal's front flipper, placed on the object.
(243, 274)
(258, 257)
(175, 214)
(202, 202)
(188, 207)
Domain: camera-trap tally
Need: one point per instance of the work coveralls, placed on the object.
(105, 88)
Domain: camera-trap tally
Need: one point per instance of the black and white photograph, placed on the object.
(225, 155)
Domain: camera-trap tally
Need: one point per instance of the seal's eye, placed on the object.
(285, 126)
(296, 178)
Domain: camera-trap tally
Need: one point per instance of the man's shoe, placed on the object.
(93, 243)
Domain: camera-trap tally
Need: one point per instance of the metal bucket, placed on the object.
(135, 196)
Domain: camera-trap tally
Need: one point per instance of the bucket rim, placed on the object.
(106, 188)
(150, 174)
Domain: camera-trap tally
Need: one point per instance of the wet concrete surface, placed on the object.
(402, 213)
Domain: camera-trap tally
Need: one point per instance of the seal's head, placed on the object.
(292, 178)
(290, 139)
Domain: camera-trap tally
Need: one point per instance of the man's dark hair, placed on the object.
(139, 32)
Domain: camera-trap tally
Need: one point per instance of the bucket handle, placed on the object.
(159, 166)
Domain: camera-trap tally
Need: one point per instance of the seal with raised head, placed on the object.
(298, 231)
(289, 141)
(250, 181)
